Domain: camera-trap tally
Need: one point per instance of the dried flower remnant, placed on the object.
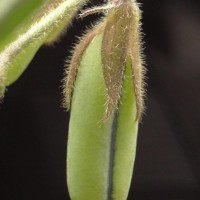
(121, 41)
(72, 70)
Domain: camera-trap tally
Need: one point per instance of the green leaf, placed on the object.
(15, 12)
(100, 155)
(2, 90)
(16, 56)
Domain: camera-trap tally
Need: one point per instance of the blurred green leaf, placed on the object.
(15, 12)
(17, 55)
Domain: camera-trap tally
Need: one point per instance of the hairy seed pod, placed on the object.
(104, 81)
(100, 156)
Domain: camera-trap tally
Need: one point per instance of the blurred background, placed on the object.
(33, 124)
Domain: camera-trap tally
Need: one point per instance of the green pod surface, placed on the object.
(100, 155)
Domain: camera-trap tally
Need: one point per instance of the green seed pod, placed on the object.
(100, 156)
(104, 88)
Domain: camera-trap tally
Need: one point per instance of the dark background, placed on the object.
(33, 125)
